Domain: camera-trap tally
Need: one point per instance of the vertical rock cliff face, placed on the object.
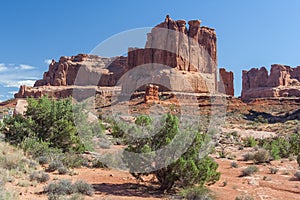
(283, 81)
(177, 56)
(225, 84)
(190, 50)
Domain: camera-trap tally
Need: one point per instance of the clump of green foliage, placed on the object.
(248, 156)
(261, 119)
(65, 187)
(39, 176)
(282, 147)
(261, 156)
(196, 192)
(249, 170)
(187, 170)
(250, 142)
(52, 123)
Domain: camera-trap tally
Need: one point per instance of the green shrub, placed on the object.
(54, 165)
(143, 120)
(248, 156)
(8, 195)
(42, 160)
(84, 188)
(188, 170)
(297, 175)
(196, 193)
(274, 170)
(234, 164)
(250, 142)
(65, 187)
(249, 170)
(62, 170)
(261, 119)
(97, 163)
(62, 187)
(244, 197)
(39, 176)
(72, 160)
(261, 156)
(53, 122)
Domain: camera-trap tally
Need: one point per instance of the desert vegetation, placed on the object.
(44, 147)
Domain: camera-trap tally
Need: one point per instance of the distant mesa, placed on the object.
(188, 54)
(283, 81)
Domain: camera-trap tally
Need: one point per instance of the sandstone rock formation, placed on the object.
(84, 69)
(176, 57)
(189, 50)
(225, 84)
(151, 93)
(283, 81)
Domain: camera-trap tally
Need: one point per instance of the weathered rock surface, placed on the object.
(84, 69)
(190, 50)
(21, 107)
(225, 84)
(175, 57)
(151, 93)
(78, 92)
(283, 81)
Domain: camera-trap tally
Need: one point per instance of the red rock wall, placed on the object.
(225, 84)
(283, 81)
(172, 44)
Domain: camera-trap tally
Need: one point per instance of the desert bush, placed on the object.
(248, 156)
(52, 121)
(62, 170)
(8, 195)
(261, 119)
(249, 170)
(65, 187)
(84, 188)
(261, 156)
(234, 164)
(297, 175)
(274, 170)
(42, 160)
(279, 147)
(295, 141)
(39, 176)
(97, 163)
(222, 153)
(196, 193)
(62, 187)
(54, 165)
(244, 197)
(250, 142)
(72, 160)
(143, 120)
(188, 170)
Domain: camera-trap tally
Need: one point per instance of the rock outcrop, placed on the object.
(151, 93)
(83, 70)
(192, 51)
(225, 84)
(283, 81)
(176, 57)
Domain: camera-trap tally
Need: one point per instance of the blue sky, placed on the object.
(250, 33)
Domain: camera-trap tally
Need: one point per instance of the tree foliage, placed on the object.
(50, 121)
(187, 170)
